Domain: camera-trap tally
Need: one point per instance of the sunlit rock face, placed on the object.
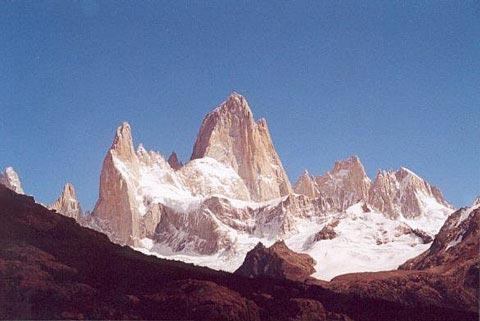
(67, 204)
(404, 193)
(230, 135)
(346, 184)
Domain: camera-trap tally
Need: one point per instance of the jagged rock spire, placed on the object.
(67, 204)
(123, 143)
(346, 184)
(230, 135)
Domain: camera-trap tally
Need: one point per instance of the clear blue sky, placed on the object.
(397, 83)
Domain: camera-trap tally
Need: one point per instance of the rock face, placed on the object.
(277, 261)
(10, 179)
(346, 184)
(67, 204)
(306, 185)
(400, 193)
(230, 135)
(116, 207)
(174, 162)
(404, 193)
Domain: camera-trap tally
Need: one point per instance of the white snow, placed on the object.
(456, 241)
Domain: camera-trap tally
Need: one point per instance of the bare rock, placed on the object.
(67, 204)
(277, 261)
(397, 193)
(174, 162)
(230, 135)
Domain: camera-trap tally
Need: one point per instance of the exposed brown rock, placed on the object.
(230, 135)
(326, 233)
(67, 204)
(457, 241)
(174, 162)
(277, 261)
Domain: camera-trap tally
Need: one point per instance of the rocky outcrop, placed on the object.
(10, 179)
(174, 162)
(404, 193)
(277, 261)
(327, 232)
(67, 204)
(230, 135)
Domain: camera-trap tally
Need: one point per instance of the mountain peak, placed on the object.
(235, 104)
(353, 162)
(123, 142)
(230, 135)
(67, 203)
(10, 179)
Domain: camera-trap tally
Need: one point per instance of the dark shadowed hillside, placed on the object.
(52, 268)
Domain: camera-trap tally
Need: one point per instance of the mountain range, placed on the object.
(234, 193)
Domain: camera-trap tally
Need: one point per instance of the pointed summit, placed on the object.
(67, 204)
(123, 142)
(10, 179)
(230, 135)
(174, 162)
(306, 185)
(346, 184)
(404, 193)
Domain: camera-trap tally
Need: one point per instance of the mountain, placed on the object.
(230, 135)
(52, 268)
(67, 204)
(234, 193)
(277, 261)
(10, 179)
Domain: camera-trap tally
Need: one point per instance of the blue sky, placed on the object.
(395, 82)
